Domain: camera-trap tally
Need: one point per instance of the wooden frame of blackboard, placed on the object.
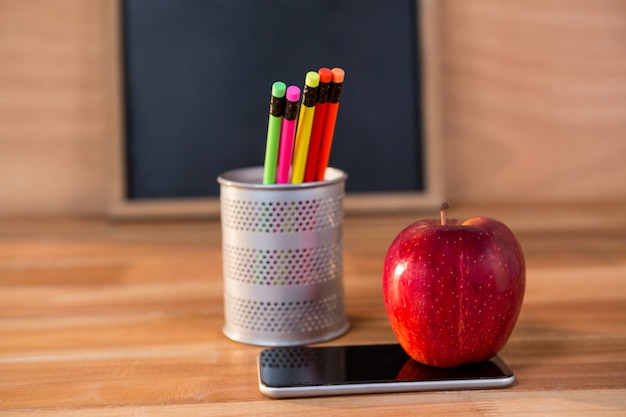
(122, 207)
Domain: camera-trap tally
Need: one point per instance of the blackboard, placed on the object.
(197, 76)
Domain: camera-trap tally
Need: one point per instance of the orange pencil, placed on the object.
(330, 120)
(310, 171)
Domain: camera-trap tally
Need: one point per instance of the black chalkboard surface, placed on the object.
(197, 78)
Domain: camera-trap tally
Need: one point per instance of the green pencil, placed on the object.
(277, 111)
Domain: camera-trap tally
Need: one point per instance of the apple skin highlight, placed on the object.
(453, 292)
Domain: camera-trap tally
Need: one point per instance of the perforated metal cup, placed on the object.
(283, 258)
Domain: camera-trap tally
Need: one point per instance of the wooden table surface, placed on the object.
(122, 319)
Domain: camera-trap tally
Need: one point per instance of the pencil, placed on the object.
(305, 123)
(330, 121)
(318, 124)
(287, 134)
(277, 111)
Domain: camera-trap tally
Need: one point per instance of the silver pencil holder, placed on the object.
(282, 254)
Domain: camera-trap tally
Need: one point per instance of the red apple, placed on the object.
(454, 288)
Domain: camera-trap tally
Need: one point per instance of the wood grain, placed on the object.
(532, 98)
(532, 106)
(117, 319)
(52, 115)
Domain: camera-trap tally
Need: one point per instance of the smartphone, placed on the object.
(303, 371)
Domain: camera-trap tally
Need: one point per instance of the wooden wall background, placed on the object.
(533, 101)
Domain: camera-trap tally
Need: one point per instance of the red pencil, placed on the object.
(329, 122)
(310, 172)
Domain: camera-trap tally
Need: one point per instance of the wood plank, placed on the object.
(100, 318)
(531, 94)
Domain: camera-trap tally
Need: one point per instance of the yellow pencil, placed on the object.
(305, 124)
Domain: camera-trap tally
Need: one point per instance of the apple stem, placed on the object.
(443, 211)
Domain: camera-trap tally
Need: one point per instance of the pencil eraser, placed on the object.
(338, 75)
(325, 75)
(278, 89)
(312, 79)
(293, 93)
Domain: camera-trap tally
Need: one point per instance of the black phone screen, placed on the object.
(344, 365)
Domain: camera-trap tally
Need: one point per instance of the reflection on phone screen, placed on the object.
(341, 365)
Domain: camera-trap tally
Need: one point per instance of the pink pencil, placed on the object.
(287, 134)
